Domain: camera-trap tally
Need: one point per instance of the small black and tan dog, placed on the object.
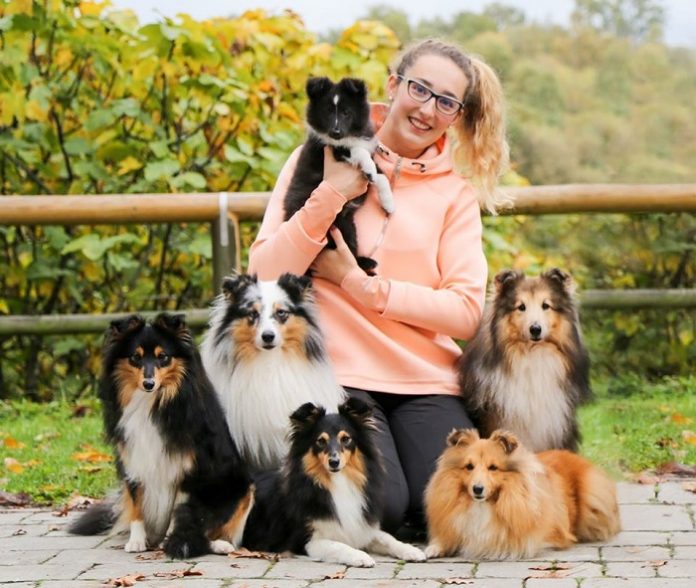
(184, 482)
(326, 500)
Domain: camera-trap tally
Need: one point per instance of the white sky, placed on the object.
(680, 27)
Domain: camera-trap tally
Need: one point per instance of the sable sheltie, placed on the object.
(527, 370)
(338, 115)
(326, 500)
(493, 499)
(265, 355)
(183, 479)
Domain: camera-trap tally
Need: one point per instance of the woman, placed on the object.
(390, 336)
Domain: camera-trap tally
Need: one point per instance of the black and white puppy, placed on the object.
(338, 115)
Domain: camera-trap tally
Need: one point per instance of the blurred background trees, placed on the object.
(91, 101)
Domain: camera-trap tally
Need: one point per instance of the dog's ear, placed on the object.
(507, 440)
(354, 86)
(233, 286)
(358, 411)
(305, 417)
(462, 437)
(506, 279)
(560, 279)
(119, 328)
(299, 288)
(318, 87)
(175, 324)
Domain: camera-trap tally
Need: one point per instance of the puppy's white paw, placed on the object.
(410, 553)
(359, 559)
(433, 550)
(221, 547)
(136, 545)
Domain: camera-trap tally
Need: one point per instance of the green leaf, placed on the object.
(161, 169)
(99, 119)
(193, 179)
(78, 146)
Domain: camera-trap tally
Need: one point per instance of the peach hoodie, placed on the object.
(391, 332)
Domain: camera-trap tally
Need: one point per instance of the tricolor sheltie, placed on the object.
(265, 355)
(326, 500)
(338, 115)
(493, 499)
(527, 370)
(183, 480)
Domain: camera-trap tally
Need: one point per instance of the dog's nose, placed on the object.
(478, 489)
(535, 330)
(335, 133)
(149, 384)
(334, 461)
(268, 336)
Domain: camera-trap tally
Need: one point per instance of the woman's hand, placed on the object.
(345, 178)
(334, 264)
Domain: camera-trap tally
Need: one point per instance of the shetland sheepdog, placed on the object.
(265, 355)
(326, 500)
(493, 499)
(338, 115)
(527, 370)
(183, 479)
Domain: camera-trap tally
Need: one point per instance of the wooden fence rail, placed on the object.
(226, 210)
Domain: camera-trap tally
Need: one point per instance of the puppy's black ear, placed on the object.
(305, 417)
(174, 324)
(560, 279)
(507, 279)
(354, 86)
(507, 440)
(462, 437)
(299, 288)
(119, 328)
(318, 87)
(233, 286)
(356, 410)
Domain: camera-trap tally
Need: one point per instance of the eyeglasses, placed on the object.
(420, 93)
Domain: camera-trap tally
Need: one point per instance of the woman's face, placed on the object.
(412, 126)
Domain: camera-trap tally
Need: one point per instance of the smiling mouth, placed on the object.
(420, 125)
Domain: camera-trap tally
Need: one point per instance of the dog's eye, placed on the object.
(493, 467)
(253, 315)
(469, 466)
(522, 307)
(163, 357)
(282, 314)
(545, 306)
(320, 443)
(135, 358)
(346, 440)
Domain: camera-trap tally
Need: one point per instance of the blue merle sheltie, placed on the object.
(527, 370)
(326, 499)
(265, 355)
(338, 115)
(183, 480)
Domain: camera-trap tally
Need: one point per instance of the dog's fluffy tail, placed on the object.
(99, 518)
(598, 510)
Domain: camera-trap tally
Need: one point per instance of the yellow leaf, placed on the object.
(12, 465)
(63, 57)
(12, 443)
(128, 164)
(93, 8)
(3, 307)
(680, 419)
(91, 455)
(689, 437)
(34, 111)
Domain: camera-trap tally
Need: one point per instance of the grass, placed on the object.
(54, 450)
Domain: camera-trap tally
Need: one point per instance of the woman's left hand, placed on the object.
(334, 264)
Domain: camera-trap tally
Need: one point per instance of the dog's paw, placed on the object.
(410, 553)
(359, 559)
(433, 550)
(136, 545)
(221, 547)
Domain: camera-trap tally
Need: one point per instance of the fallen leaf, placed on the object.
(150, 555)
(556, 566)
(129, 580)
(254, 554)
(12, 465)
(666, 442)
(458, 581)
(680, 419)
(79, 411)
(12, 443)
(655, 563)
(76, 502)
(336, 576)
(8, 499)
(177, 574)
(689, 437)
(19, 532)
(552, 570)
(91, 455)
(54, 528)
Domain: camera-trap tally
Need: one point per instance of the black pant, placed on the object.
(412, 433)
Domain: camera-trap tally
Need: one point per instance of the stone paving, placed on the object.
(656, 549)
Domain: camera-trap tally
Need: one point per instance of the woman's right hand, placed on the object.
(344, 178)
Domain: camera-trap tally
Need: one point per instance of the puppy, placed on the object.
(338, 115)
(265, 355)
(326, 500)
(527, 370)
(183, 479)
(493, 499)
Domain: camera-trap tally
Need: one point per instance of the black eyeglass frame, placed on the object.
(435, 95)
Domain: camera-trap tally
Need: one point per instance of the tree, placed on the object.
(638, 20)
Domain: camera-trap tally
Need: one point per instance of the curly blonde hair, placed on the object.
(480, 149)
